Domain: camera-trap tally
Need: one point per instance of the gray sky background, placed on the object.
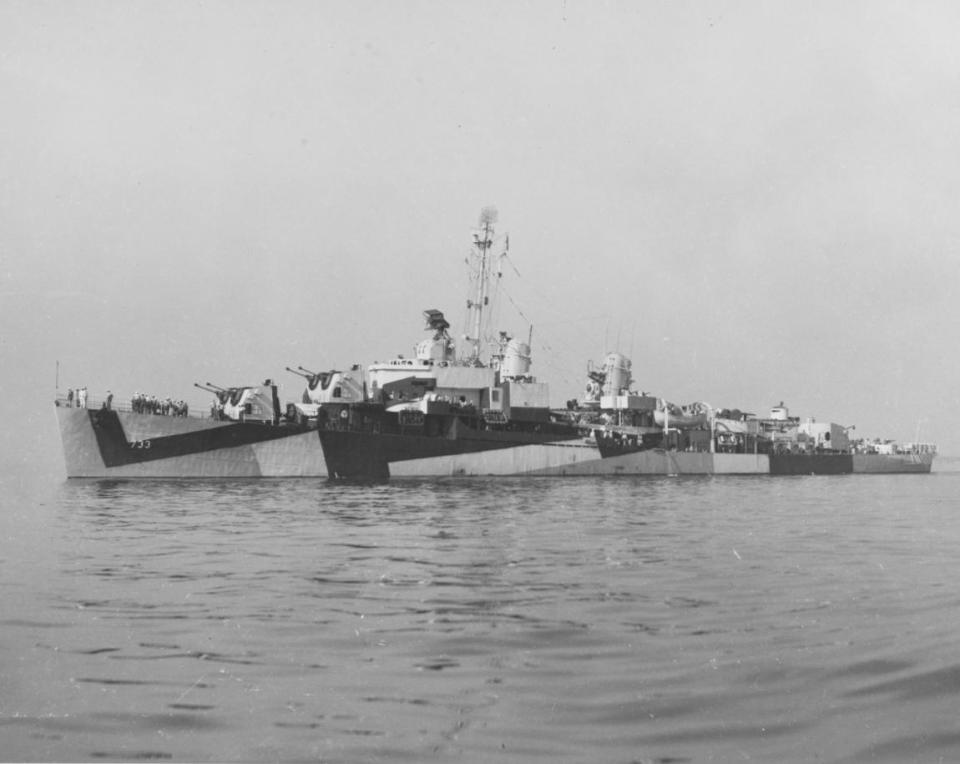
(757, 201)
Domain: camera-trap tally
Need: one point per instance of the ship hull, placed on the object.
(845, 464)
(892, 463)
(811, 464)
(114, 444)
(354, 455)
(378, 456)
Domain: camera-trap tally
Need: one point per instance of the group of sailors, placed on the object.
(142, 403)
(77, 398)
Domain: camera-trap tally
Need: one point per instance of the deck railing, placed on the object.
(98, 403)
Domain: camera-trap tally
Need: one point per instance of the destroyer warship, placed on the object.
(449, 412)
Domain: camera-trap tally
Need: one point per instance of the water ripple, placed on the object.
(652, 620)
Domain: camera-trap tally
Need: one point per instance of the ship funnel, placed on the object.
(616, 368)
(516, 360)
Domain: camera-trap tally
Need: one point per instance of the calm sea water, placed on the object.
(614, 620)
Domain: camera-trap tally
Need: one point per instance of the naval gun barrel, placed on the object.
(209, 388)
(300, 372)
(311, 373)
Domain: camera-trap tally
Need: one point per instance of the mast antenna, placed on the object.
(482, 241)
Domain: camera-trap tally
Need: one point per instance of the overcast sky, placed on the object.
(756, 201)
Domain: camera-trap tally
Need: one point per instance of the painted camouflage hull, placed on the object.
(354, 455)
(116, 444)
